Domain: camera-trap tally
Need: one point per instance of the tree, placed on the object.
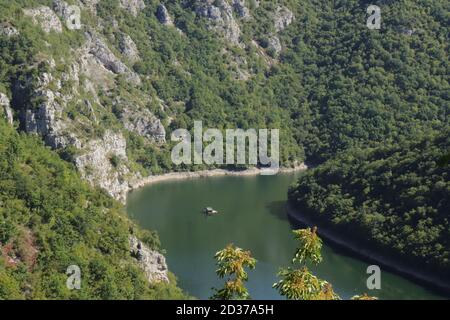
(301, 284)
(232, 262)
(444, 160)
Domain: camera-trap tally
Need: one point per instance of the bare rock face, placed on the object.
(5, 103)
(128, 48)
(46, 119)
(104, 164)
(61, 8)
(98, 48)
(151, 262)
(90, 4)
(8, 30)
(220, 15)
(163, 15)
(133, 6)
(283, 18)
(143, 123)
(241, 9)
(275, 44)
(45, 18)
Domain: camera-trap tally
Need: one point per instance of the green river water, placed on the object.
(252, 216)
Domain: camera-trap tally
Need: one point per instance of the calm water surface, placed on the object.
(252, 217)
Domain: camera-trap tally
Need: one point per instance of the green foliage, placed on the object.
(301, 284)
(50, 219)
(232, 262)
(310, 246)
(393, 199)
(444, 160)
(335, 86)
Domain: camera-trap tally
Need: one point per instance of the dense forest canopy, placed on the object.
(396, 198)
(336, 83)
(50, 219)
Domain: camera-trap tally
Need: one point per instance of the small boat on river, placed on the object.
(210, 211)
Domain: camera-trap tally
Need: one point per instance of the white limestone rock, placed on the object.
(151, 262)
(133, 6)
(163, 15)
(5, 103)
(45, 18)
(283, 17)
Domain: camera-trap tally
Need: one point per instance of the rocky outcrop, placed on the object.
(61, 8)
(143, 123)
(128, 48)
(45, 18)
(274, 44)
(151, 262)
(104, 163)
(101, 161)
(64, 101)
(283, 17)
(5, 104)
(98, 48)
(241, 9)
(163, 15)
(46, 118)
(8, 30)
(133, 6)
(220, 16)
(90, 5)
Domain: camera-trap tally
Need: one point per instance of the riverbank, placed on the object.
(394, 265)
(206, 174)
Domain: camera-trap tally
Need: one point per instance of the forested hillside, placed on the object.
(311, 69)
(50, 220)
(107, 96)
(395, 199)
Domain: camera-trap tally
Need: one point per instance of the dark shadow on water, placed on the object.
(278, 209)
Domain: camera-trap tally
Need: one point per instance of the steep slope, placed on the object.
(50, 220)
(394, 200)
(108, 95)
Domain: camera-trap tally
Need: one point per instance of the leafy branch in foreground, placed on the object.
(232, 262)
(301, 284)
(295, 284)
(364, 297)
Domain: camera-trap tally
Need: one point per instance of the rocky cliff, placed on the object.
(68, 101)
(153, 263)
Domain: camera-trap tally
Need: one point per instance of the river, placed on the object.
(252, 216)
